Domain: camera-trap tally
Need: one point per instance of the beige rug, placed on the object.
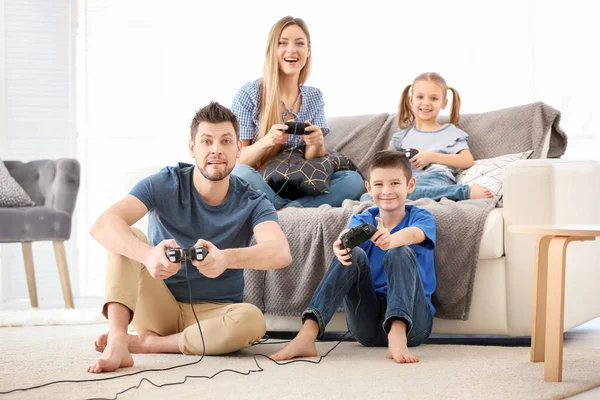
(36, 355)
(51, 316)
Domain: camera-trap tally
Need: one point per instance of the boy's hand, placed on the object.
(344, 256)
(215, 262)
(382, 237)
(422, 159)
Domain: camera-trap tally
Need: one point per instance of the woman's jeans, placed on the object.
(369, 315)
(343, 185)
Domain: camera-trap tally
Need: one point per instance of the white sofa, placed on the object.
(536, 191)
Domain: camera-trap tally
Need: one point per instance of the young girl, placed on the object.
(262, 106)
(442, 149)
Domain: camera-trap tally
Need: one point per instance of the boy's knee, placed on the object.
(399, 257)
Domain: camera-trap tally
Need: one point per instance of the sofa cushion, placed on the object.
(492, 240)
(28, 224)
(11, 193)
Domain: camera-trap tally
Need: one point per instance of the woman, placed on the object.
(263, 105)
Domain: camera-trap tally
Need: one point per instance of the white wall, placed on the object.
(145, 67)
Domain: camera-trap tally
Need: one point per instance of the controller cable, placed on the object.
(258, 367)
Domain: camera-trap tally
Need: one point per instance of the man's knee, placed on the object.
(251, 320)
(139, 234)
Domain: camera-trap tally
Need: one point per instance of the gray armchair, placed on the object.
(53, 186)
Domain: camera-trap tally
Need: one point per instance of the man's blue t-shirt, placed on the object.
(176, 211)
(415, 217)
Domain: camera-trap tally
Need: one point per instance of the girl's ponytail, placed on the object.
(405, 115)
(455, 111)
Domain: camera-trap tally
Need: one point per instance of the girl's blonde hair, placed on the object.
(406, 118)
(270, 112)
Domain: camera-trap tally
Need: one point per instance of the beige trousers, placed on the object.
(227, 327)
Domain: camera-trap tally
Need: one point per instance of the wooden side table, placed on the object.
(549, 277)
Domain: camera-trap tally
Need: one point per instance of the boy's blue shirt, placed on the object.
(415, 217)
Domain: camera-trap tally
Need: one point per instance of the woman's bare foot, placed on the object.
(478, 192)
(135, 343)
(301, 346)
(397, 348)
(115, 355)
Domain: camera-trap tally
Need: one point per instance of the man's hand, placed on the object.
(214, 264)
(422, 159)
(381, 237)
(158, 264)
(315, 136)
(344, 256)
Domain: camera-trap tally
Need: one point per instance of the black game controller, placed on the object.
(357, 235)
(193, 254)
(296, 128)
(409, 153)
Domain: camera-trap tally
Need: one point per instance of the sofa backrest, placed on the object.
(512, 130)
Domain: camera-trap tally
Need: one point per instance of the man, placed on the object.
(188, 206)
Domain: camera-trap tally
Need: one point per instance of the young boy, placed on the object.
(385, 283)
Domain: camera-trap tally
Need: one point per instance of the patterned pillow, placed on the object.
(489, 172)
(292, 176)
(11, 194)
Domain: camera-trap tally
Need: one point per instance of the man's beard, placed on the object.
(219, 176)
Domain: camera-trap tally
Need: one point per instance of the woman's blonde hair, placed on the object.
(270, 112)
(406, 118)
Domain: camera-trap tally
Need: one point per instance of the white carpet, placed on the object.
(51, 316)
(35, 355)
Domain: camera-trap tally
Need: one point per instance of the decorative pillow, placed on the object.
(489, 172)
(292, 176)
(11, 193)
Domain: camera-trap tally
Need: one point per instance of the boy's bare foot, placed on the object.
(397, 348)
(301, 346)
(135, 343)
(478, 192)
(115, 355)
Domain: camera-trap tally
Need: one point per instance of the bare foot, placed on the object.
(478, 192)
(115, 355)
(135, 343)
(300, 346)
(397, 348)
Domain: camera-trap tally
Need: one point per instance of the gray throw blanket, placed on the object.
(312, 231)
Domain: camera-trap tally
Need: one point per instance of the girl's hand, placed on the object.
(422, 159)
(382, 237)
(315, 137)
(276, 134)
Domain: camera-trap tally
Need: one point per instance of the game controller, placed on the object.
(357, 235)
(296, 128)
(409, 153)
(193, 254)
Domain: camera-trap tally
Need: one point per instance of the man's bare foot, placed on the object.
(115, 355)
(135, 343)
(300, 346)
(478, 192)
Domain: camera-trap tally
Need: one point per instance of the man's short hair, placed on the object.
(214, 113)
(390, 159)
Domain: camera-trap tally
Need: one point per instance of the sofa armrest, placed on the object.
(551, 191)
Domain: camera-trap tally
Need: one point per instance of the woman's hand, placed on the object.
(315, 137)
(422, 159)
(276, 135)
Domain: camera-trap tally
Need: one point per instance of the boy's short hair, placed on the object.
(214, 113)
(390, 159)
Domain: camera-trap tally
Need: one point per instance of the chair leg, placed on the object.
(63, 272)
(29, 272)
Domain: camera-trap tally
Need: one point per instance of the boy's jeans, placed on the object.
(369, 315)
(343, 185)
